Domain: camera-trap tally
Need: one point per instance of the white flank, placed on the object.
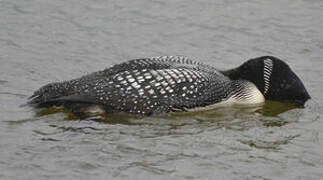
(254, 98)
(95, 109)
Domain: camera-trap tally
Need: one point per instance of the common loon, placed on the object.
(166, 84)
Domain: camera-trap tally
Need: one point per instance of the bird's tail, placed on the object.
(46, 95)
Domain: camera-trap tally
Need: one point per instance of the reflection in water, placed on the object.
(273, 108)
(219, 115)
(48, 111)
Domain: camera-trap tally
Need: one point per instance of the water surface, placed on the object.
(43, 41)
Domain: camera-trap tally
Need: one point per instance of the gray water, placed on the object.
(43, 41)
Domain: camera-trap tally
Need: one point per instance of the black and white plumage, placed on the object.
(268, 68)
(159, 85)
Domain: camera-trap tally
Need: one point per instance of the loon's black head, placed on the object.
(273, 77)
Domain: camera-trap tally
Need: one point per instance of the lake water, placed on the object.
(43, 41)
